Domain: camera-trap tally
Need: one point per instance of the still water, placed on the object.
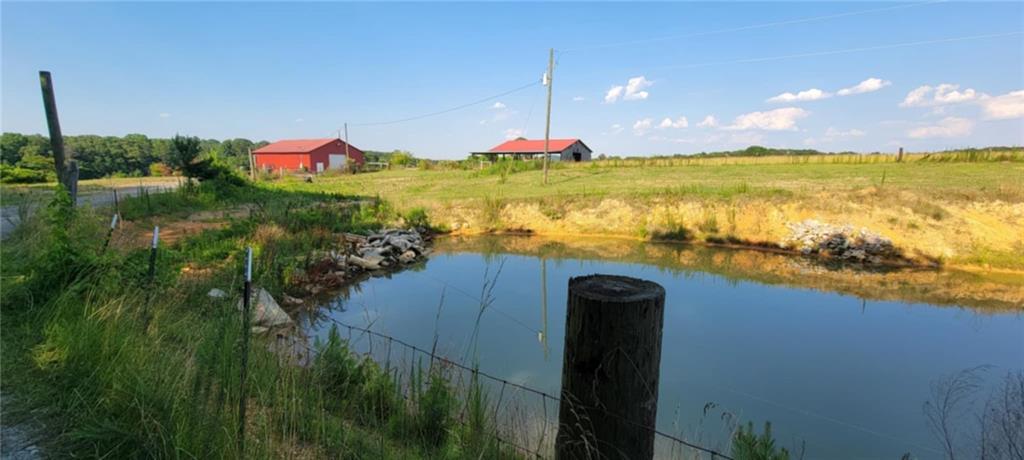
(840, 362)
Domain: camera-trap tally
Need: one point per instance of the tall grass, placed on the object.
(77, 350)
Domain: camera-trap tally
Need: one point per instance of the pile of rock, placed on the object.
(844, 242)
(386, 250)
(327, 270)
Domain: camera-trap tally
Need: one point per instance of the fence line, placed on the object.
(544, 395)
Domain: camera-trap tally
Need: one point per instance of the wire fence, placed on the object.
(544, 442)
(534, 437)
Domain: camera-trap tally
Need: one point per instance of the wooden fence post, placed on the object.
(610, 370)
(899, 156)
(53, 123)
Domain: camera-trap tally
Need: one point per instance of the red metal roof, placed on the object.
(533, 146)
(295, 146)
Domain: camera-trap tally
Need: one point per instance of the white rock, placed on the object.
(366, 264)
(216, 293)
(407, 257)
(265, 310)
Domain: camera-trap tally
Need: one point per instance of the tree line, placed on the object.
(29, 158)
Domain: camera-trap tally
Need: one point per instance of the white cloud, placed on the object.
(680, 122)
(812, 94)
(783, 119)
(613, 94)
(950, 94)
(578, 99)
(614, 129)
(1009, 105)
(947, 127)
(708, 122)
(498, 105)
(946, 93)
(299, 120)
(513, 133)
(866, 86)
(165, 115)
(832, 132)
(642, 126)
(633, 90)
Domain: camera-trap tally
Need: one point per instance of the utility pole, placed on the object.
(348, 159)
(252, 167)
(547, 124)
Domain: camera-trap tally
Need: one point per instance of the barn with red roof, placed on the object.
(315, 155)
(560, 149)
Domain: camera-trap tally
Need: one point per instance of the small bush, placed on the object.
(18, 175)
(748, 445)
(417, 217)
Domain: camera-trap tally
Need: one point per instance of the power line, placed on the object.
(751, 27)
(840, 51)
(452, 109)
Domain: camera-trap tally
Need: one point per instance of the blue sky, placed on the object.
(631, 78)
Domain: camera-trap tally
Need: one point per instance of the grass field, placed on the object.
(940, 181)
(959, 210)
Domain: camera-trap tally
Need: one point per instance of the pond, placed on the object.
(839, 360)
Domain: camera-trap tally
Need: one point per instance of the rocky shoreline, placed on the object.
(358, 257)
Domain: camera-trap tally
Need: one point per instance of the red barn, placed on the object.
(316, 155)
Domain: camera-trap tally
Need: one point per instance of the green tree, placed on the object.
(183, 153)
(10, 147)
(401, 158)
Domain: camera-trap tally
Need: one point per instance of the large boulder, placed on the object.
(265, 310)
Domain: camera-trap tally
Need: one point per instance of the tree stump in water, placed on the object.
(609, 397)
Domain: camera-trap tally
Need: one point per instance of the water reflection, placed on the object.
(748, 335)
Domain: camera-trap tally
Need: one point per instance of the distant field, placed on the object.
(965, 210)
(715, 177)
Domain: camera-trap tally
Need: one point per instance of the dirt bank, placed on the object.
(986, 235)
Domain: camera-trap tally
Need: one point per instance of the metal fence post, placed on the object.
(150, 276)
(110, 233)
(609, 398)
(246, 294)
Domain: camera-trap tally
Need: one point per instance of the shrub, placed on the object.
(18, 175)
(159, 170)
(417, 217)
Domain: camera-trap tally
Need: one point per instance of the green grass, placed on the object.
(927, 180)
(117, 366)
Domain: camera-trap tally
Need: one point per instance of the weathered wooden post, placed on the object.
(610, 370)
(899, 156)
(56, 139)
